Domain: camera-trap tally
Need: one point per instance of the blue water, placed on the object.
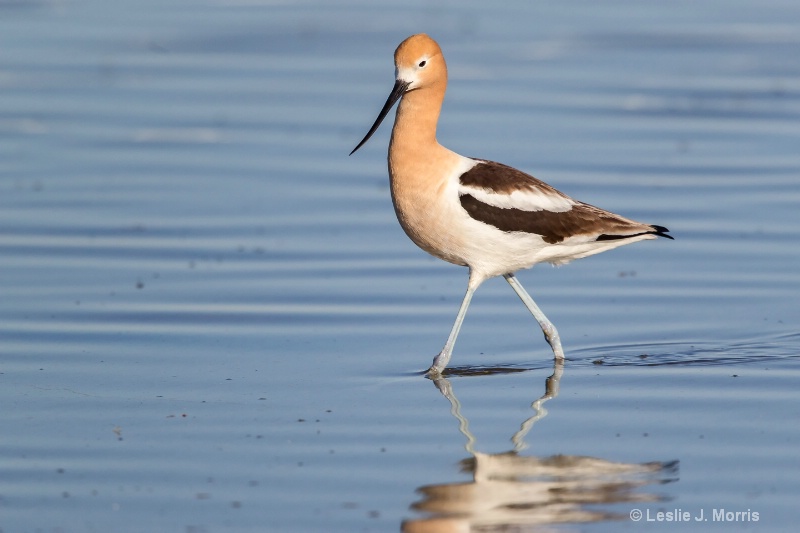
(210, 319)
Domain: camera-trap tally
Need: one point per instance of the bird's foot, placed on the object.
(439, 364)
(434, 373)
(553, 339)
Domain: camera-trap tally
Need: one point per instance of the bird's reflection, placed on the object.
(513, 492)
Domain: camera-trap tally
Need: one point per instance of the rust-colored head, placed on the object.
(418, 63)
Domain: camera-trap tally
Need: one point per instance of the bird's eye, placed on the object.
(422, 63)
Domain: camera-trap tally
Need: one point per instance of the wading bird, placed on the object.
(484, 215)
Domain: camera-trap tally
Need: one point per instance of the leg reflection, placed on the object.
(509, 490)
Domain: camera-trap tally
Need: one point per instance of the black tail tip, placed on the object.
(661, 231)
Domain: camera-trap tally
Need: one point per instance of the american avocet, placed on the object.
(487, 216)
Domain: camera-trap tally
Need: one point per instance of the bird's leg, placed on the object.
(549, 330)
(441, 360)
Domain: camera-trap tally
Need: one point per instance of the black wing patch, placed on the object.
(659, 231)
(503, 179)
(555, 227)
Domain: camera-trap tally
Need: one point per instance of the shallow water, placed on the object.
(210, 319)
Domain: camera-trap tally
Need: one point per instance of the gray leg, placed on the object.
(441, 360)
(549, 330)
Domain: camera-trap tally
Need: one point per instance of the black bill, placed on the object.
(398, 91)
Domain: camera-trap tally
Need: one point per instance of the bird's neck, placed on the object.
(414, 132)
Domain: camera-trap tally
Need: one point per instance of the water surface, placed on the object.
(210, 319)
